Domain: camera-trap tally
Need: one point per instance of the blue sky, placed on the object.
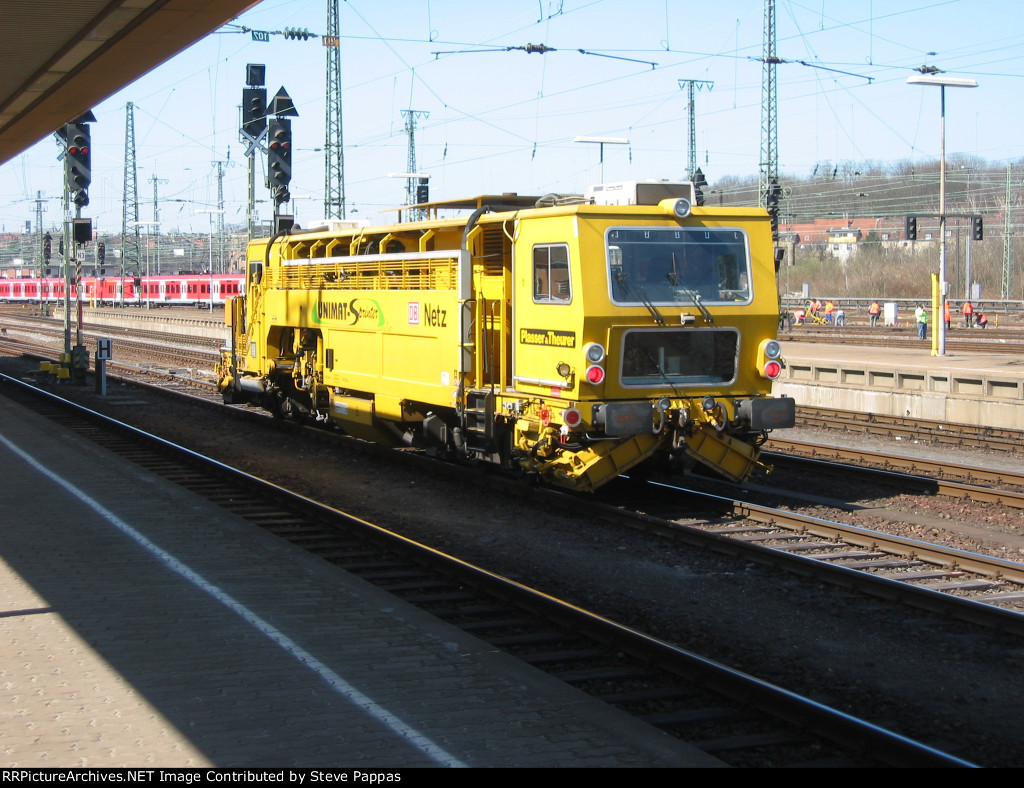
(504, 120)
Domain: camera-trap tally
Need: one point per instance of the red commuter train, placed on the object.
(196, 290)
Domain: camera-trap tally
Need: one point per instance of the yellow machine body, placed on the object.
(529, 336)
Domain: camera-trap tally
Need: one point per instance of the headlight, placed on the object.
(594, 352)
(681, 208)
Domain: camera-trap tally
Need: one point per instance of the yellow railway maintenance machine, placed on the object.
(572, 337)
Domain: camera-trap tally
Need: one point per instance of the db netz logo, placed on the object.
(427, 314)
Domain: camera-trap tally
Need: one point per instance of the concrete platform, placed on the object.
(984, 389)
(141, 626)
(170, 320)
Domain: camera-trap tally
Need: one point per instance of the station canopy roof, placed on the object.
(60, 59)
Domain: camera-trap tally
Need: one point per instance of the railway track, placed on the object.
(989, 340)
(738, 718)
(939, 477)
(183, 352)
(945, 433)
(927, 569)
(151, 348)
(976, 588)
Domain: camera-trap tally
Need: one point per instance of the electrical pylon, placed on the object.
(411, 116)
(769, 170)
(1007, 277)
(334, 152)
(131, 248)
(691, 84)
(40, 202)
(218, 250)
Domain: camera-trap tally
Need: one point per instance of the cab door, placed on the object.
(547, 308)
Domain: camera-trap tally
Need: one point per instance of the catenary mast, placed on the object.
(769, 172)
(334, 154)
(131, 248)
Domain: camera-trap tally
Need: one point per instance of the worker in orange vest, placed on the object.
(968, 310)
(873, 312)
(829, 309)
(947, 315)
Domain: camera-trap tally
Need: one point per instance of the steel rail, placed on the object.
(994, 340)
(738, 538)
(942, 432)
(904, 471)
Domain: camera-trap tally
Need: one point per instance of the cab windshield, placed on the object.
(675, 265)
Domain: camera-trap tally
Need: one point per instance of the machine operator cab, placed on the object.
(648, 317)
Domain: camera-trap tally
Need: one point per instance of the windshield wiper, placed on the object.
(652, 309)
(620, 278)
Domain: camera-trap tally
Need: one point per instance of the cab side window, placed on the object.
(551, 280)
(255, 271)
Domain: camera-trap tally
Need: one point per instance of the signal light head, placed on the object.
(78, 161)
(279, 154)
(769, 359)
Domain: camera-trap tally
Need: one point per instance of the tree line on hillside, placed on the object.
(873, 190)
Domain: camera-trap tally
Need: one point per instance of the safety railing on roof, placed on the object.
(412, 271)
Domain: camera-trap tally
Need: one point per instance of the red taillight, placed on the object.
(572, 418)
(772, 370)
(595, 374)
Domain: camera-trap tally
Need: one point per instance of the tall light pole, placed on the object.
(602, 141)
(211, 211)
(967, 253)
(943, 82)
(414, 182)
(156, 227)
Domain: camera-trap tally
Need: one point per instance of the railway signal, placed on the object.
(279, 158)
(78, 164)
(910, 228)
(977, 229)
(254, 112)
(282, 105)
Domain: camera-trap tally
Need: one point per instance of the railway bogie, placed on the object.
(568, 339)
